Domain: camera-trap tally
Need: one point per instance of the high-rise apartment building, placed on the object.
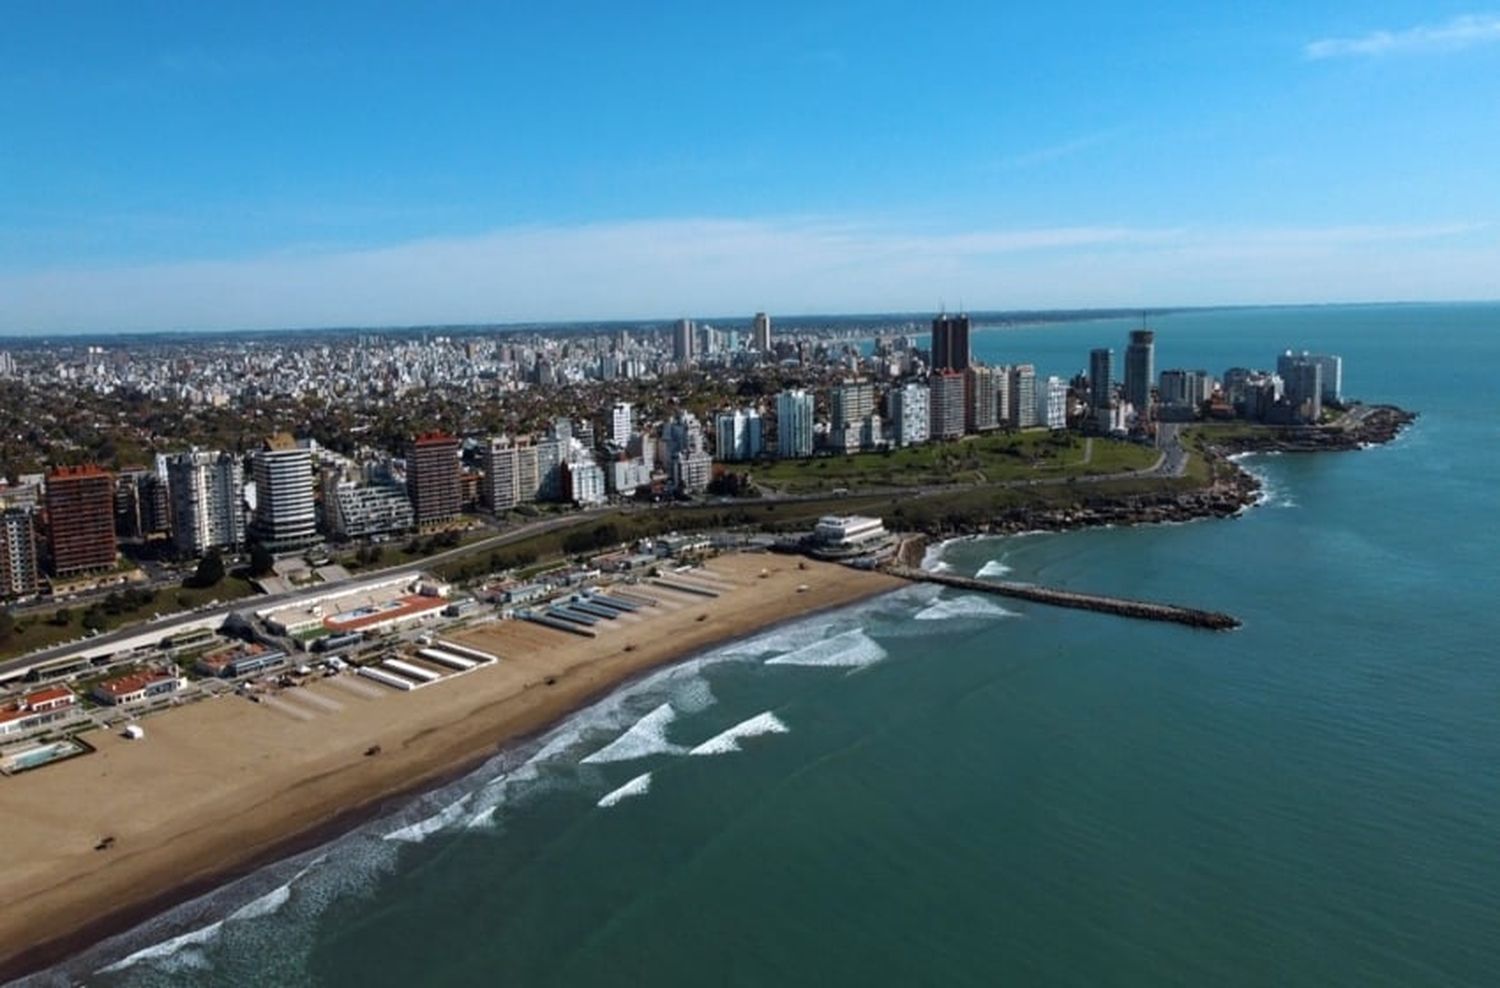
(621, 423)
(1101, 378)
(762, 334)
(433, 478)
(950, 343)
(1330, 373)
(1302, 377)
(19, 572)
(500, 490)
(143, 510)
(981, 413)
(850, 403)
(909, 414)
(1022, 413)
(1140, 370)
(683, 340)
(794, 424)
(208, 493)
(1052, 403)
(80, 519)
(737, 434)
(285, 516)
(945, 414)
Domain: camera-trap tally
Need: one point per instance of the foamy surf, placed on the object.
(647, 736)
(638, 786)
(850, 650)
(168, 948)
(961, 607)
(417, 832)
(729, 741)
(992, 569)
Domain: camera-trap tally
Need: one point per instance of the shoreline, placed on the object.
(68, 924)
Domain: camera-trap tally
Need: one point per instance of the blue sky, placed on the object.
(175, 166)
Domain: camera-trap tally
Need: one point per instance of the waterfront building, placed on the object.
(946, 404)
(950, 343)
(691, 471)
(208, 495)
(683, 339)
(285, 513)
(500, 490)
(1022, 396)
(762, 332)
(36, 710)
(143, 510)
(738, 435)
(584, 482)
(432, 478)
(981, 413)
(80, 519)
(549, 460)
(138, 686)
(848, 531)
(1330, 373)
(1101, 378)
(794, 424)
(850, 405)
(627, 475)
(357, 511)
(1052, 403)
(1303, 378)
(19, 572)
(909, 414)
(1140, 359)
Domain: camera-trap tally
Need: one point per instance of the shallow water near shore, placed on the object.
(936, 787)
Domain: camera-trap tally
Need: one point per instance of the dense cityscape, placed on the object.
(681, 414)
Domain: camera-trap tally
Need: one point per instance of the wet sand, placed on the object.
(222, 786)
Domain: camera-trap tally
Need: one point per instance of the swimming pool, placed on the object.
(44, 754)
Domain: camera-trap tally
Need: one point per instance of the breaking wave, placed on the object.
(991, 569)
(728, 741)
(638, 786)
(962, 607)
(850, 650)
(647, 736)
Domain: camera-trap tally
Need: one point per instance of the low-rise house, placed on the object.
(137, 686)
(36, 710)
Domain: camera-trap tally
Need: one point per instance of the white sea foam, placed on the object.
(968, 606)
(168, 948)
(638, 786)
(728, 741)
(647, 736)
(850, 650)
(417, 832)
(992, 568)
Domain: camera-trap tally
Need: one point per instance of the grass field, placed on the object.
(993, 458)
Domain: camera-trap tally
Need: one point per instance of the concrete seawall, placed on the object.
(1144, 610)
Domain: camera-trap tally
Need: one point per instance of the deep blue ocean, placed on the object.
(934, 789)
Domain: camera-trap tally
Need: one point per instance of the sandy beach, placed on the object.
(221, 786)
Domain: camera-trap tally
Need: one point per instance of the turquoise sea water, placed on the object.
(931, 788)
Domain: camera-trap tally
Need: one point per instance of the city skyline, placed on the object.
(174, 173)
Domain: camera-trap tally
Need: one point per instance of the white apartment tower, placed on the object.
(794, 424)
(285, 515)
(207, 491)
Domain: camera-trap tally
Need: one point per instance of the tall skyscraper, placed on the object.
(762, 335)
(433, 478)
(1022, 413)
(143, 509)
(794, 424)
(19, 572)
(1303, 379)
(950, 343)
(683, 338)
(850, 402)
(207, 492)
(80, 519)
(1330, 373)
(945, 415)
(1140, 370)
(285, 514)
(1101, 378)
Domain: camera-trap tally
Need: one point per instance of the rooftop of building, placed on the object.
(133, 682)
(281, 441)
(77, 472)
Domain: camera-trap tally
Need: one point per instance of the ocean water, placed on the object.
(942, 788)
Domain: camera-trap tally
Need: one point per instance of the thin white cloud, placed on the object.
(1454, 35)
(1062, 149)
(661, 268)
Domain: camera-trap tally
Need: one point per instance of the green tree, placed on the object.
(262, 562)
(7, 626)
(94, 619)
(209, 572)
(62, 616)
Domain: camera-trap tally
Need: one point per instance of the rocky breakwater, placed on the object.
(1224, 498)
(1360, 426)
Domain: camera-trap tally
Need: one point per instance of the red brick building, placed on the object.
(80, 519)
